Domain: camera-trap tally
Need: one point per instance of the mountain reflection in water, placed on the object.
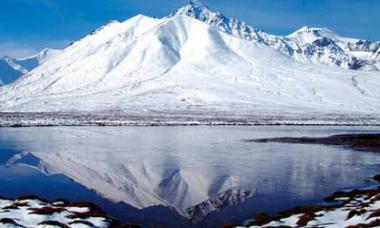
(194, 171)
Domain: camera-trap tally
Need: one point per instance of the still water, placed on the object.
(180, 176)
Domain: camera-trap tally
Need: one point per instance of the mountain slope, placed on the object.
(314, 45)
(33, 61)
(182, 65)
(11, 69)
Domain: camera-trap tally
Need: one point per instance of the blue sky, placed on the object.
(27, 26)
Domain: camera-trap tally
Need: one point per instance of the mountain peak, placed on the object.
(197, 3)
(36, 59)
(180, 65)
(313, 31)
(196, 9)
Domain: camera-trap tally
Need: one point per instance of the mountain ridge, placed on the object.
(323, 46)
(181, 65)
(13, 68)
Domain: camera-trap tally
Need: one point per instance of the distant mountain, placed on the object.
(11, 69)
(199, 61)
(315, 45)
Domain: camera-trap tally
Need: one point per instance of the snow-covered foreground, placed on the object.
(30, 211)
(183, 64)
(354, 208)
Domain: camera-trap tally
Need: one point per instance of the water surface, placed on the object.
(179, 176)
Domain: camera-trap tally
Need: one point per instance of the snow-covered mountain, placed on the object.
(315, 45)
(31, 62)
(180, 64)
(11, 68)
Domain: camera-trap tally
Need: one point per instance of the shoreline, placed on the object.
(355, 202)
(369, 142)
(34, 211)
(353, 208)
(40, 119)
(359, 207)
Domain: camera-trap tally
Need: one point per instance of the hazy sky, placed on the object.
(26, 26)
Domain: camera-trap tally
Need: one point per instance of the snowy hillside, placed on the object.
(180, 64)
(315, 45)
(33, 61)
(11, 69)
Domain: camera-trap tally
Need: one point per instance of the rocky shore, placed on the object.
(41, 119)
(32, 211)
(357, 208)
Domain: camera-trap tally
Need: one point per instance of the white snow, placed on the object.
(309, 45)
(31, 62)
(11, 69)
(22, 214)
(181, 64)
(338, 217)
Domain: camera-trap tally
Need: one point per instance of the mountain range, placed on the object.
(200, 61)
(314, 45)
(11, 68)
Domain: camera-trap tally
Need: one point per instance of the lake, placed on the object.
(193, 176)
